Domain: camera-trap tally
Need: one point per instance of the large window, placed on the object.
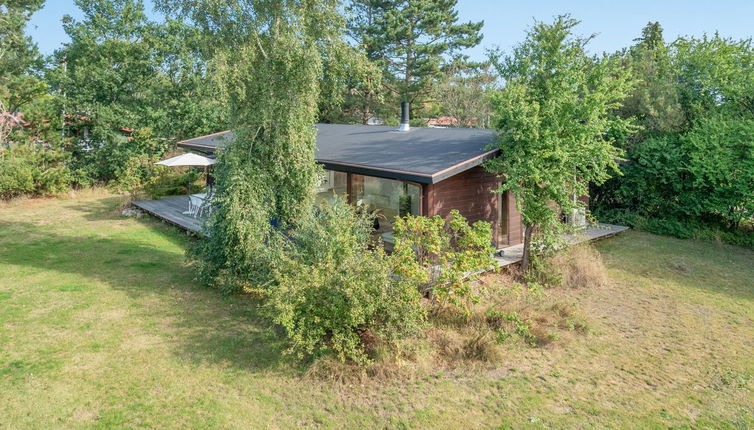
(334, 183)
(389, 197)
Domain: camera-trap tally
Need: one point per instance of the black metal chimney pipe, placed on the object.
(405, 117)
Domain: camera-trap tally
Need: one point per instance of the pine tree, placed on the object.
(19, 56)
(411, 40)
(654, 101)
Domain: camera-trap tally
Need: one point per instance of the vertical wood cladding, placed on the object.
(515, 227)
(471, 193)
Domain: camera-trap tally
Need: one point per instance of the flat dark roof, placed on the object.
(424, 155)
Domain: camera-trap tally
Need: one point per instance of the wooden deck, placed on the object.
(171, 209)
(513, 254)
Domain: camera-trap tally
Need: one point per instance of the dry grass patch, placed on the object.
(410, 360)
(510, 314)
(580, 267)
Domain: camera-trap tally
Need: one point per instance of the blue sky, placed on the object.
(617, 23)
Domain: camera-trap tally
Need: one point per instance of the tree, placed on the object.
(444, 257)
(411, 40)
(715, 74)
(465, 95)
(655, 99)
(269, 57)
(351, 87)
(19, 56)
(121, 70)
(688, 172)
(555, 122)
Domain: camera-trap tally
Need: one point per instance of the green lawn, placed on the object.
(101, 325)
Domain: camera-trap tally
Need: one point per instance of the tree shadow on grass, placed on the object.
(203, 325)
(97, 209)
(109, 208)
(713, 267)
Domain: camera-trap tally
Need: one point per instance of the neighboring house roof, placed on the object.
(424, 155)
(12, 120)
(450, 121)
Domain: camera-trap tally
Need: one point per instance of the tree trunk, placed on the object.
(527, 248)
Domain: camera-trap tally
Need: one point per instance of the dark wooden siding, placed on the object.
(515, 227)
(471, 193)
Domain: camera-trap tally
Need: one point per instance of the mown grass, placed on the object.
(102, 326)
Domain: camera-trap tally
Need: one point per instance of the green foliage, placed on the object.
(715, 74)
(655, 100)
(170, 182)
(16, 177)
(466, 94)
(129, 161)
(19, 56)
(543, 272)
(30, 169)
(676, 183)
(444, 257)
(351, 86)
(335, 294)
(124, 72)
(411, 41)
(508, 324)
(690, 174)
(270, 63)
(556, 124)
(719, 170)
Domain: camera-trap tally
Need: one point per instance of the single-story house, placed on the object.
(422, 171)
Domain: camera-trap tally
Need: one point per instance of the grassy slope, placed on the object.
(102, 326)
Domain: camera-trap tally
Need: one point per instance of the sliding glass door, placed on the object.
(389, 198)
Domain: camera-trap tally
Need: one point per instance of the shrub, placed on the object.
(688, 228)
(443, 257)
(333, 293)
(685, 184)
(542, 271)
(31, 169)
(133, 176)
(16, 177)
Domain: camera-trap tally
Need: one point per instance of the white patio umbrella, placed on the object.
(188, 159)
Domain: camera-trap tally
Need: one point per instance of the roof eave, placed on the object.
(422, 178)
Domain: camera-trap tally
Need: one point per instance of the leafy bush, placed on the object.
(687, 228)
(139, 174)
(16, 177)
(30, 169)
(333, 293)
(444, 257)
(543, 272)
(685, 184)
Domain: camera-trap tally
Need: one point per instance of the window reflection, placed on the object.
(388, 197)
(334, 183)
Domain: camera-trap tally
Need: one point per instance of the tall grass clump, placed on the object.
(580, 267)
